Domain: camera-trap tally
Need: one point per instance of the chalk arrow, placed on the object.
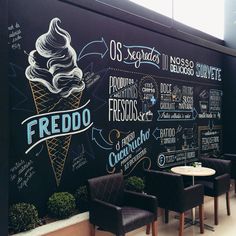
(156, 133)
(195, 113)
(210, 124)
(100, 140)
(179, 129)
(97, 47)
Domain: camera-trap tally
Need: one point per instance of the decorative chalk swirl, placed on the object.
(53, 63)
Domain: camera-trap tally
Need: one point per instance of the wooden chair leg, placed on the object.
(228, 203)
(181, 224)
(92, 229)
(201, 218)
(148, 229)
(166, 216)
(154, 228)
(161, 213)
(216, 210)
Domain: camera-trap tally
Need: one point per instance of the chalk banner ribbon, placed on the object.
(55, 124)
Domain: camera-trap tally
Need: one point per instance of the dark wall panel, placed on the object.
(229, 111)
(92, 95)
(230, 79)
(4, 94)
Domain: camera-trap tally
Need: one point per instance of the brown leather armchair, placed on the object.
(171, 194)
(118, 211)
(218, 184)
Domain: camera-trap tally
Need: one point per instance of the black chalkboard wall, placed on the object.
(230, 84)
(4, 126)
(91, 95)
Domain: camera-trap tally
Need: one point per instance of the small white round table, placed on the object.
(194, 171)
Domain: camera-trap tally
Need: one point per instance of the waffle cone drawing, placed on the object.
(57, 147)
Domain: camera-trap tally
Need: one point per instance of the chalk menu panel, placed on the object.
(91, 95)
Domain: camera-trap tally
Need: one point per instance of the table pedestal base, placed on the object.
(188, 222)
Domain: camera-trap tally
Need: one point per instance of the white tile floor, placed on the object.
(226, 227)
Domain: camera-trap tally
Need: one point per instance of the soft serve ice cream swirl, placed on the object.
(53, 63)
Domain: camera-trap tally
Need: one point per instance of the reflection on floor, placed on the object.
(226, 227)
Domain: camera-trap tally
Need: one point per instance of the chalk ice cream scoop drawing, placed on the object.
(56, 83)
(53, 63)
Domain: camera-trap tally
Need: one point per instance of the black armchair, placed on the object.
(231, 157)
(119, 211)
(218, 184)
(171, 194)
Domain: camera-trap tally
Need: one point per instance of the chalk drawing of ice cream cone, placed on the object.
(56, 83)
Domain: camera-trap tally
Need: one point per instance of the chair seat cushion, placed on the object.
(133, 218)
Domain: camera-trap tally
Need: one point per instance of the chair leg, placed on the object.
(166, 216)
(216, 210)
(154, 228)
(228, 203)
(201, 218)
(148, 229)
(181, 224)
(92, 229)
(162, 213)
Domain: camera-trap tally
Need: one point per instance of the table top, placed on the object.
(193, 171)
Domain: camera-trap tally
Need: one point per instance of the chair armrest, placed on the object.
(141, 200)
(231, 157)
(193, 196)
(105, 215)
(222, 183)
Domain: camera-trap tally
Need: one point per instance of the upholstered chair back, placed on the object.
(220, 166)
(167, 187)
(109, 188)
